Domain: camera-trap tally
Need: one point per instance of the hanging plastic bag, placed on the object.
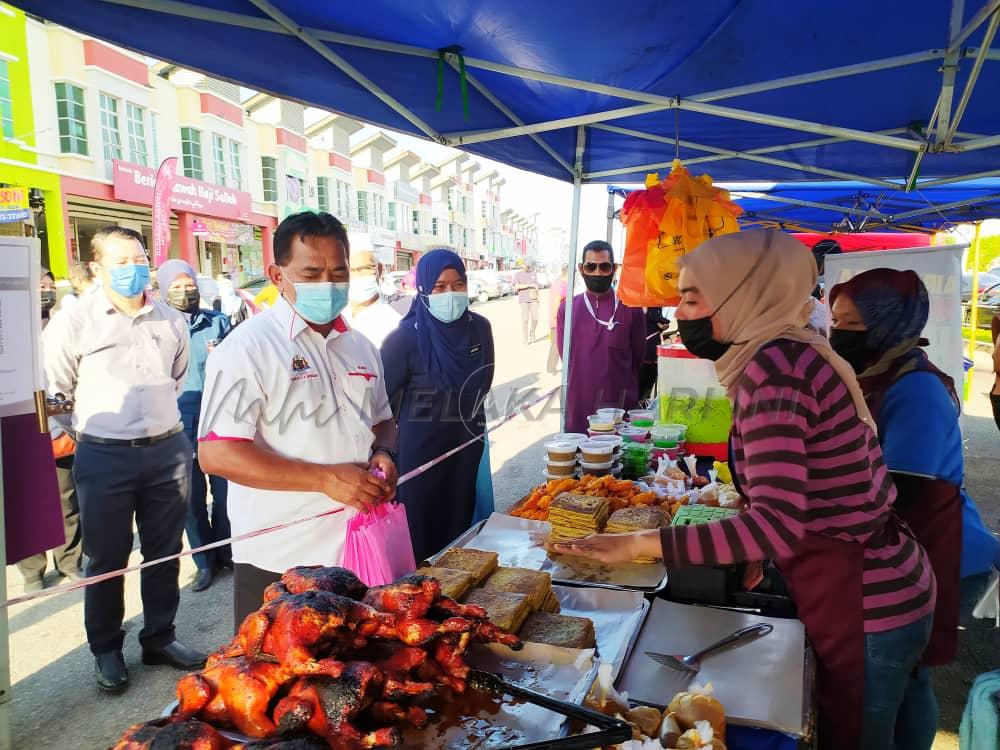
(378, 547)
(664, 222)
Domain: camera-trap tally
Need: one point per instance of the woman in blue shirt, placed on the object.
(438, 371)
(878, 319)
(179, 289)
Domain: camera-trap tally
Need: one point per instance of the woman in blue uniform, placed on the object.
(438, 371)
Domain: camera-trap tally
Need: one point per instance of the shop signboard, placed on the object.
(224, 232)
(13, 204)
(940, 268)
(134, 183)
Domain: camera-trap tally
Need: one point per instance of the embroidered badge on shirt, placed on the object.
(360, 371)
(301, 369)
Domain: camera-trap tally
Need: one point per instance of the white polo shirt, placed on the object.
(277, 382)
(376, 321)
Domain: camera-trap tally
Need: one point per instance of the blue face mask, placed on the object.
(320, 302)
(448, 306)
(131, 280)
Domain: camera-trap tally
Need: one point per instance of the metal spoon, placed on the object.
(692, 663)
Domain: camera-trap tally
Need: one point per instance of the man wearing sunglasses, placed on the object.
(608, 341)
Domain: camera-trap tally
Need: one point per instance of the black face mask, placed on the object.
(48, 302)
(598, 284)
(185, 300)
(853, 346)
(697, 337)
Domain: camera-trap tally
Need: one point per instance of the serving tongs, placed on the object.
(692, 663)
(610, 731)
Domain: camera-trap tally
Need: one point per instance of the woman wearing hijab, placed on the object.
(820, 498)
(878, 318)
(438, 370)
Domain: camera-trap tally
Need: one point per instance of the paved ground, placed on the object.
(55, 703)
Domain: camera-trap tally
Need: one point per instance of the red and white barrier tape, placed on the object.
(91, 580)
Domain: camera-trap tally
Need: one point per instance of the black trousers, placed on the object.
(116, 483)
(248, 590)
(203, 527)
(65, 557)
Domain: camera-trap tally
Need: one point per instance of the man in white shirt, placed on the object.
(368, 312)
(122, 358)
(295, 414)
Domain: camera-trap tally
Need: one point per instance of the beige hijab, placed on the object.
(762, 280)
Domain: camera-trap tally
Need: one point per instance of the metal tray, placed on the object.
(521, 543)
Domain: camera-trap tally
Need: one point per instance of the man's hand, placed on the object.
(753, 575)
(352, 484)
(381, 461)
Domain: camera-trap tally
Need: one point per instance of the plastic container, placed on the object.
(635, 435)
(569, 437)
(665, 437)
(601, 423)
(596, 472)
(601, 465)
(641, 417)
(561, 469)
(546, 474)
(561, 450)
(690, 394)
(616, 414)
(615, 440)
(635, 460)
(593, 452)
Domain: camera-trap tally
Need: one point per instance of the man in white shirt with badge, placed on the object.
(295, 414)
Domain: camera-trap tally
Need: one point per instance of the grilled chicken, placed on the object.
(168, 734)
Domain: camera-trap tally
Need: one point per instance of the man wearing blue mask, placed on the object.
(295, 414)
(122, 358)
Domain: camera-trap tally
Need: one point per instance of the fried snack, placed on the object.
(559, 630)
(551, 604)
(669, 731)
(534, 583)
(574, 516)
(454, 583)
(506, 609)
(638, 518)
(702, 737)
(480, 564)
(645, 718)
(693, 706)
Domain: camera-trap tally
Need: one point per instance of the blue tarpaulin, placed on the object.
(874, 89)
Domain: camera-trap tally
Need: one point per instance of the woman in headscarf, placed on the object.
(438, 370)
(878, 319)
(808, 462)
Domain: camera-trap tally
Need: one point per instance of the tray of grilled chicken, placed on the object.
(329, 662)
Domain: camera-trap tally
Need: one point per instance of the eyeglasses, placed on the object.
(604, 267)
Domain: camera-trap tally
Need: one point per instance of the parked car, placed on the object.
(392, 283)
(255, 285)
(989, 305)
(986, 280)
(476, 291)
(491, 277)
(489, 284)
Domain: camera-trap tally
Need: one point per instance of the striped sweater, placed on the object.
(809, 466)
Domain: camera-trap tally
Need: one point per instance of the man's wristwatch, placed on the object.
(387, 451)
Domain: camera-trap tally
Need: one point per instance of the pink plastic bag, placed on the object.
(378, 547)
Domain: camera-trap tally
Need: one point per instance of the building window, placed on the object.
(465, 238)
(135, 118)
(269, 172)
(295, 190)
(323, 194)
(152, 137)
(378, 210)
(219, 158)
(235, 168)
(392, 217)
(482, 209)
(451, 199)
(465, 206)
(6, 102)
(191, 153)
(451, 234)
(435, 227)
(111, 138)
(484, 236)
(362, 206)
(415, 221)
(72, 120)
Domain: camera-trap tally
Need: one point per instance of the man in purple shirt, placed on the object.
(526, 284)
(608, 342)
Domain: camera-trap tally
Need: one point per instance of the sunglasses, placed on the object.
(604, 268)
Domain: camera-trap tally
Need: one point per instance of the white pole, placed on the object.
(574, 238)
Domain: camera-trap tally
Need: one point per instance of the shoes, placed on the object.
(112, 676)
(203, 580)
(227, 565)
(176, 655)
(32, 585)
(72, 577)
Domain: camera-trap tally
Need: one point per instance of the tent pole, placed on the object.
(811, 204)
(972, 25)
(945, 206)
(949, 70)
(974, 312)
(970, 83)
(574, 238)
(960, 178)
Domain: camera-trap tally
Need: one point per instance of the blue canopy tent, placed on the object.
(851, 206)
(584, 91)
